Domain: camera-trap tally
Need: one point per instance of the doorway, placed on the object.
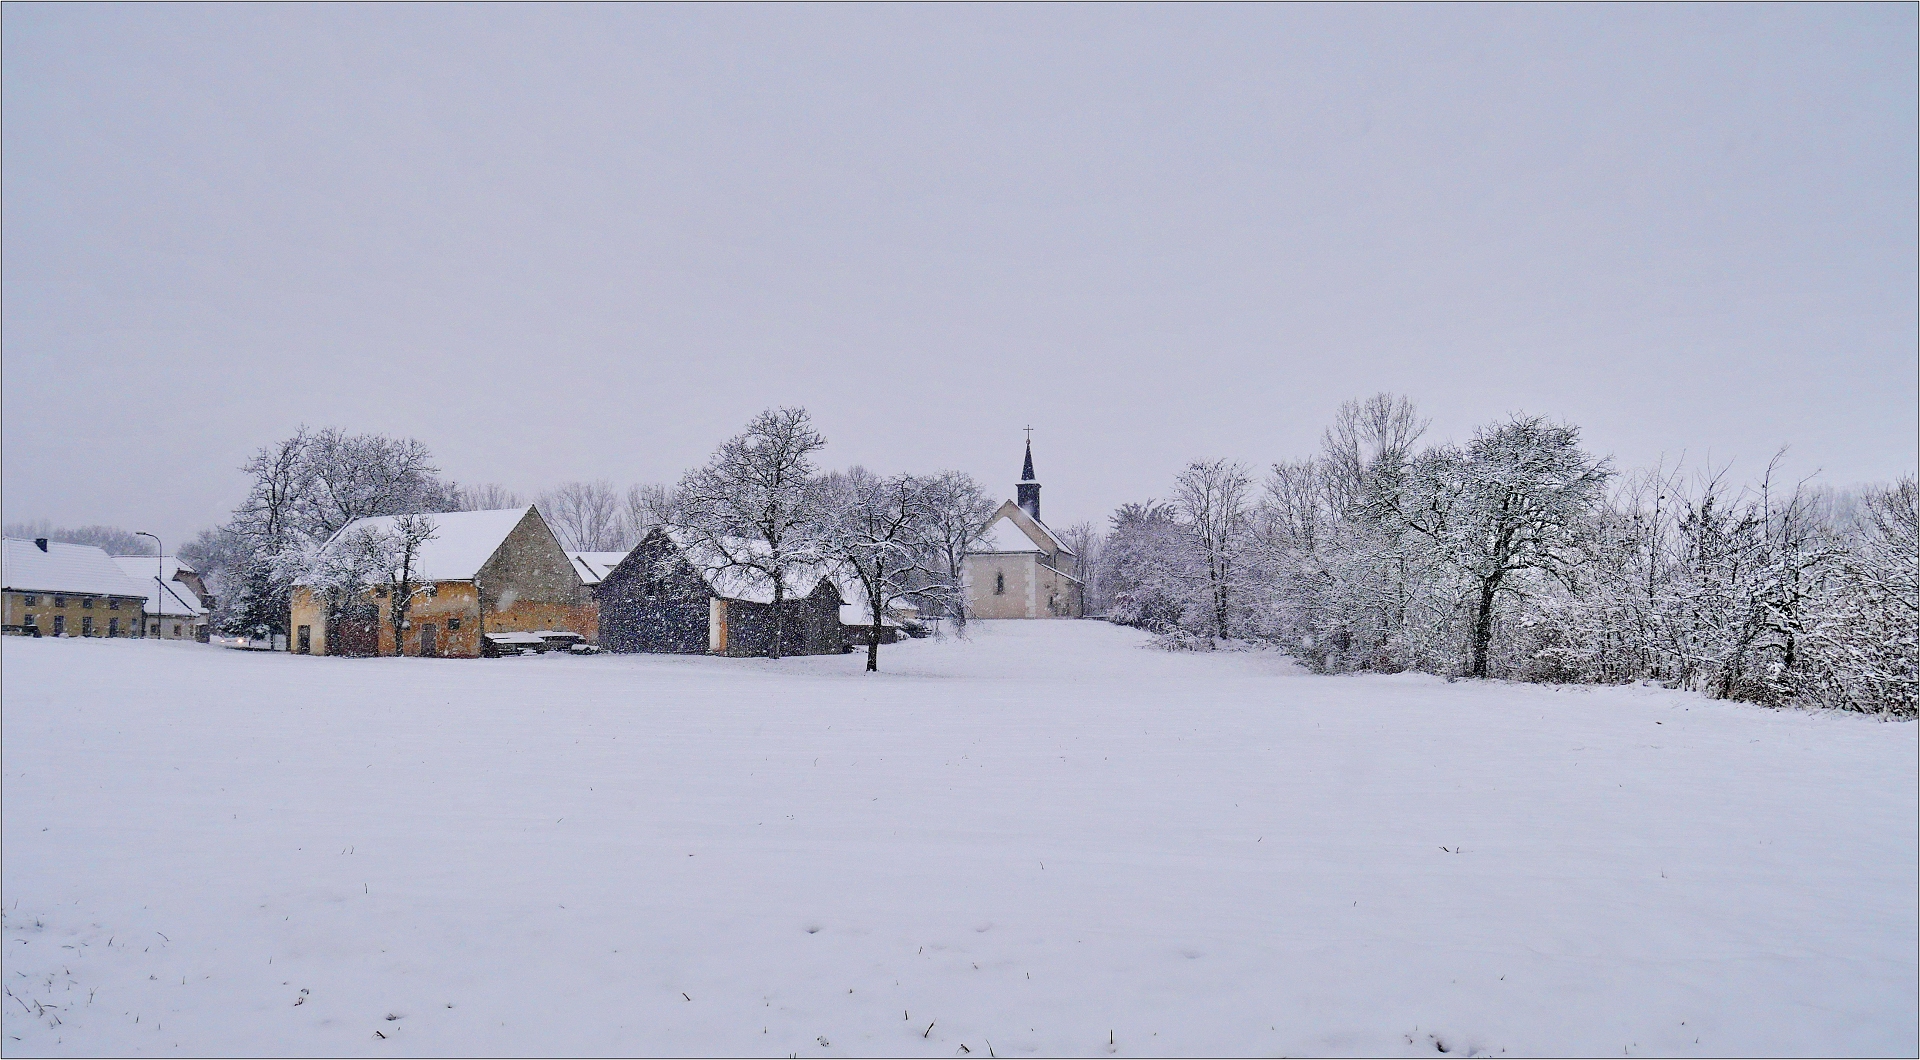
(429, 640)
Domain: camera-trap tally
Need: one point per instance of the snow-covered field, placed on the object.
(1039, 841)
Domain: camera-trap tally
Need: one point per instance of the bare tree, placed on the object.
(488, 498)
(586, 516)
(958, 510)
(1084, 541)
(1211, 498)
(648, 505)
(1365, 452)
(756, 505)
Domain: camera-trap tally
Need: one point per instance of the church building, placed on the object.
(1020, 569)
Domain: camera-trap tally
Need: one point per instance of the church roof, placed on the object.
(1012, 530)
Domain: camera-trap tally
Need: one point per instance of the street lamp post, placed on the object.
(159, 579)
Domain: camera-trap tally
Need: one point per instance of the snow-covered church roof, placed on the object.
(64, 568)
(462, 541)
(1012, 530)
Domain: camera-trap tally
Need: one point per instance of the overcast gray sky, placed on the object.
(590, 242)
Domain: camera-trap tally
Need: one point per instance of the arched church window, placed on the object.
(999, 583)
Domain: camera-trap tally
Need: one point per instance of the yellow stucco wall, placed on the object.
(75, 608)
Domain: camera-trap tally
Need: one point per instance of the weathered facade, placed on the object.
(491, 572)
(1021, 570)
(663, 597)
(56, 589)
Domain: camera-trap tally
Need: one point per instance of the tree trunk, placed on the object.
(779, 615)
(1483, 629)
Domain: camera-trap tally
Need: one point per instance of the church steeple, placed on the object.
(1029, 486)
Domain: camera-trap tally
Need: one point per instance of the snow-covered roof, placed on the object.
(462, 541)
(593, 566)
(1004, 536)
(64, 568)
(1013, 530)
(166, 597)
(734, 582)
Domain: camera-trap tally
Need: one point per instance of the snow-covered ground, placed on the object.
(1039, 841)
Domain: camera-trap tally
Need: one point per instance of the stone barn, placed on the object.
(492, 572)
(670, 594)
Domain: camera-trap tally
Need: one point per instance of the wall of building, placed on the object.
(1017, 573)
(453, 611)
(112, 616)
(641, 611)
(1033, 589)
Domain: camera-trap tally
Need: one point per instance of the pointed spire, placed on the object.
(1029, 487)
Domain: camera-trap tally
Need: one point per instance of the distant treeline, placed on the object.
(1520, 555)
(115, 541)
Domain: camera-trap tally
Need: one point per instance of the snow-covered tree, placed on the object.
(302, 491)
(1211, 499)
(878, 529)
(401, 575)
(1516, 499)
(345, 477)
(1145, 570)
(756, 505)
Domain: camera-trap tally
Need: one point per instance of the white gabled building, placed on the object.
(173, 610)
(1022, 568)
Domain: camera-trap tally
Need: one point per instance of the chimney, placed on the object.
(41, 542)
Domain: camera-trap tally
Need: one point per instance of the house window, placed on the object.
(176, 628)
(999, 583)
(113, 627)
(86, 626)
(87, 603)
(59, 601)
(32, 600)
(32, 622)
(59, 625)
(453, 623)
(113, 605)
